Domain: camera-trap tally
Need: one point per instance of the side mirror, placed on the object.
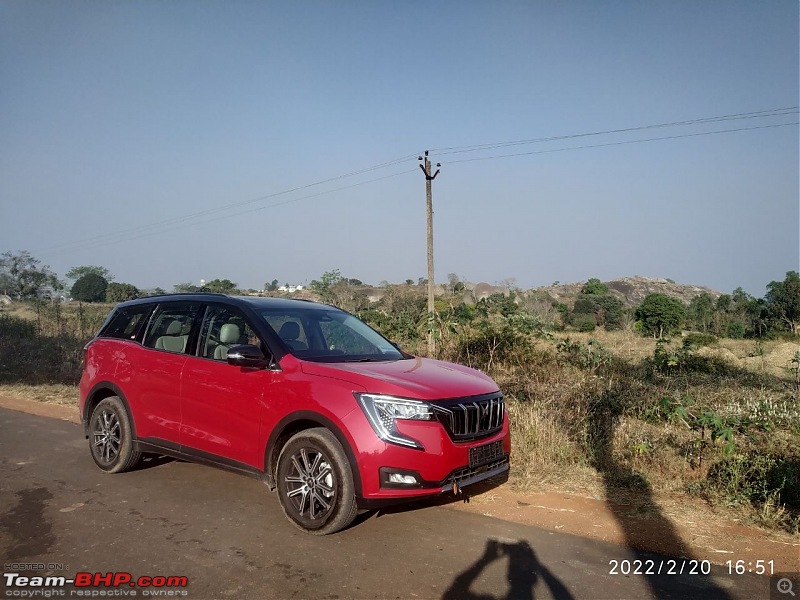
(246, 355)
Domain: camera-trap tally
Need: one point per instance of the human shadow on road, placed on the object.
(628, 494)
(524, 571)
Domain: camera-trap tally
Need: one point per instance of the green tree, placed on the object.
(23, 276)
(76, 273)
(344, 292)
(701, 312)
(602, 309)
(271, 286)
(220, 286)
(453, 281)
(609, 311)
(783, 298)
(89, 288)
(758, 316)
(660, 315)
(186, 288)
(724, 303)
(741, 299)
(736, 330)
(499, 303)
(121, 292)
(594, 287)
(584, 306)
(324, 285)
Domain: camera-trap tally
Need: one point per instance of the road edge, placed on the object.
(42, 409)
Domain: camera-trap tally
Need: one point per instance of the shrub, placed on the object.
(698, 340)
(595, 287)
(756, 478)
(584, 322)
(736, 330)
(26, 356)
(120, 292)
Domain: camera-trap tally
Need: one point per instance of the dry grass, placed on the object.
(625, 345)
(770, 357)
(66, 395)
(594, 426)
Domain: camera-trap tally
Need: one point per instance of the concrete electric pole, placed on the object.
(426, 168)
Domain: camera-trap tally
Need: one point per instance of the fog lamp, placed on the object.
(403, 479)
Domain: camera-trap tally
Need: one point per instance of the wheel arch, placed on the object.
(101, 391)
(293, 424)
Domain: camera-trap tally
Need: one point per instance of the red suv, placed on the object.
(301, 395)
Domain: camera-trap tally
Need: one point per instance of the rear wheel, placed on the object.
(111, 438)
(315, 482)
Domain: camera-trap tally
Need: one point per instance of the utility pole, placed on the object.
(426, 168)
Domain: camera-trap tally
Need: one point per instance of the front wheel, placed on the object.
(111, 437)
(315, 482)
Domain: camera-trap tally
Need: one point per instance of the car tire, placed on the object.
(111, 437)
(315, 482)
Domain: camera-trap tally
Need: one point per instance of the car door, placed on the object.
(221, 403)
(151, 375)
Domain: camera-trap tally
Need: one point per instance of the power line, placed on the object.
(704, 120)
(145, 230)
(123, 237)
(156, 227)
(621, 143)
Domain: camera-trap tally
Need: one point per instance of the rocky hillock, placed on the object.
(630, 290)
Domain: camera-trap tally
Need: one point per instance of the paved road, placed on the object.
(227, 534)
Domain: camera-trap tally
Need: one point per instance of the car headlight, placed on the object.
(383, 412)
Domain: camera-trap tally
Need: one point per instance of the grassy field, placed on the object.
(608, 414)
(613, 414)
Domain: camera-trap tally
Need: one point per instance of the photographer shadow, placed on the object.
(524, 572)
(630, 498)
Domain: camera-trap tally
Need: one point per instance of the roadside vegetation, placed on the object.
(697, 400)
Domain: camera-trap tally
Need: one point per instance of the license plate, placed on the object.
(480, 455)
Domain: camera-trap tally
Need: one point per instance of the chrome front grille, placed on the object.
(471, 418)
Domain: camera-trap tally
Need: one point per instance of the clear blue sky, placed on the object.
(128, 127)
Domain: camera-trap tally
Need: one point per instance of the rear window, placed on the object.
(126, 323)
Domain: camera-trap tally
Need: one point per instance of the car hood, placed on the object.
(419, 378)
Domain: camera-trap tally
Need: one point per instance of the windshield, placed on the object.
(329, 336)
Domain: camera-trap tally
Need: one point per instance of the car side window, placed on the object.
(171, 325)
(127, 322)
(224, 327)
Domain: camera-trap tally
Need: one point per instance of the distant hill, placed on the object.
(630, 290)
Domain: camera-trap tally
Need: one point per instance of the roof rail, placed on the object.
(168, 294)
